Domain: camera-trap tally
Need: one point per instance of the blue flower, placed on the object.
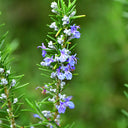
(74, 31)
(47, 61)
(43, 51)
(72, 60)
(65, 20)
(74, 28)
(63, 105)
(77, 34)
(60, 75)
(70, 104)
(68, 75)
(65, 68)
(37, 116)
(64, 55)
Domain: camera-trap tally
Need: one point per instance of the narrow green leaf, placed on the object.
(73, 46)
(7, 55)
(43, 69)
(17, 109)
(43, 100)
(1, 111)
(62, 5)
(67, 126)
(126, 85)
(59, 4)
(73, 9)
(4, 119)
(124, 112)
(51, 33)
(4, 125)
(58, 32)
(51, 38)
(30, 104)
(18, 87)
(1, 25)
(3, 37)
(47, 40)
(126, 94)
(54, 19)
(1, 44)
(71, 5)
(72, 125)
(45, 75)
(122, 1)
(19, 76)
(43, 123)
(26, 110)
(5, 103)
(76, 17)
(75, 74)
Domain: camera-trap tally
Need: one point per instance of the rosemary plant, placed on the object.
(58, 64)
(9, 102)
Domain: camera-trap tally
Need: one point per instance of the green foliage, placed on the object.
(9, 83)
(102, 51)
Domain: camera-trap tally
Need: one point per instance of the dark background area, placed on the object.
(103, 58)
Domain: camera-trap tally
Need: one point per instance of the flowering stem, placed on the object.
(59, 60)
(57, 97)
(10, 112)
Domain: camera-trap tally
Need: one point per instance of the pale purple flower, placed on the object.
(36, 116)
(43, 51)
(68, 75)
(64, 55)
(50, 45)
(54, 26)
(63, 105)
(13, 83)
(54, 5)
(70, 104)
(74, 28)
(65, 68)
(4, 81)
(53, 74)
(67, 32)
(74, 31)
(65, 20)
(77, 34)
(72, 60)
(61, 108)
(47, 61)
(61, 76)
(60, 39)
(73, 13)
(46, 113)
(1, 70)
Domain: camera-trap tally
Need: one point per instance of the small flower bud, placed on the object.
(13, 82)
(4, 81)
(15, 100)
(1, 70)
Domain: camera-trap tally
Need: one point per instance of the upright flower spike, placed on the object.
(59, 61)
(9, 102)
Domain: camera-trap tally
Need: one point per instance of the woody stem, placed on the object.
(10, 112)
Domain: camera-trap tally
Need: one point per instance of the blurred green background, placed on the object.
(102, 51)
